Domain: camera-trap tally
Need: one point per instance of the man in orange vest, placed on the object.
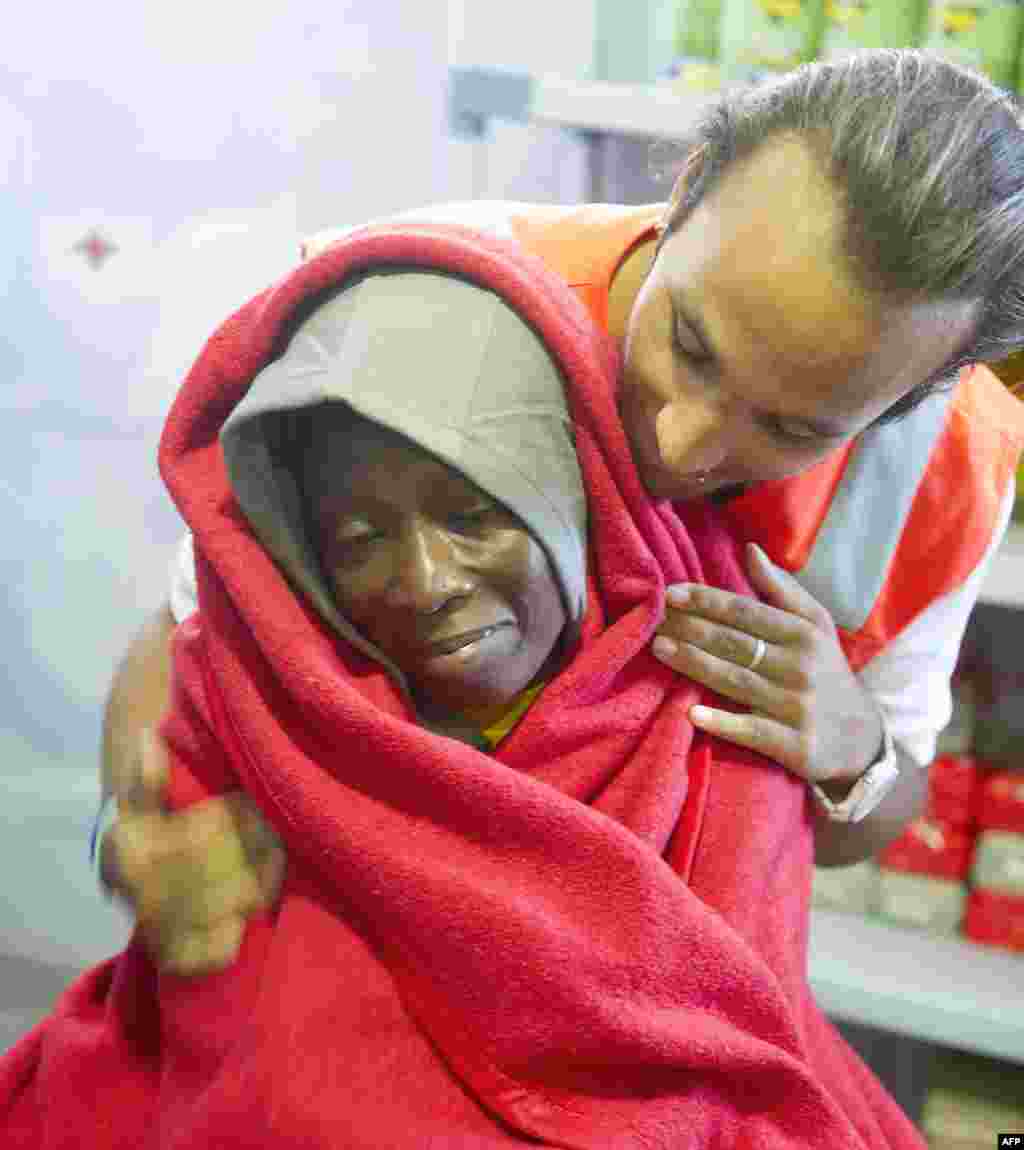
(802, 327)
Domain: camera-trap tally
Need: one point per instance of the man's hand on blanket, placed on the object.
(781, 660)
(193, 876)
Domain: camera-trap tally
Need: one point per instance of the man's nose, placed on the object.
(692, 434)
(427, 573)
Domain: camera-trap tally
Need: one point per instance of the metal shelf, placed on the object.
(477, 95)
(943, 990)
(656, 110)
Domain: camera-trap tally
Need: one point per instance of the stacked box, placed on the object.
(999, 863)
(980, 34)
(917, 900)
(953, 782)
(759, 38)
(960, 868)
(922, 876)
(1000, 802)
(851, 27)
(846, 888)
(931, 847)
(995, 906)
(970, 1101)
(995, 919)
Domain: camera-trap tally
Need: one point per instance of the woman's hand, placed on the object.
(193, 876)
(781, 660)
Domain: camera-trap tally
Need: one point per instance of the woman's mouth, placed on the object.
(452, 643)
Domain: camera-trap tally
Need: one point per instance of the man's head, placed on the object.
(840, 242)
(430, 568)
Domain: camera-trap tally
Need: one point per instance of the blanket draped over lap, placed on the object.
(595, 937)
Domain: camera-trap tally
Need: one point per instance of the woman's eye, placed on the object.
(792, 436)
(468, 520)
(353, 547)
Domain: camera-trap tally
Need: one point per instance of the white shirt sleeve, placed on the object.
(910, 679)
(184, 596)
(485, 215)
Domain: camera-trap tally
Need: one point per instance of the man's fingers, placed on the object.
(154, 856)
(142, 787)
(749, 688)
(201, 950)
(202, 906)
(154, 774)
(775, 740)
(257, 835)
(128, 855)
(740, 612)
(783, 590)
(192, 876)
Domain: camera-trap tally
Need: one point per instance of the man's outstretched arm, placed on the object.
(192, 877)
(138, 697)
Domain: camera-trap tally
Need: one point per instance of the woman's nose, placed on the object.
(427, 573)
(691, 434)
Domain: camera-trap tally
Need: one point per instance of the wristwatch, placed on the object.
(868, 791)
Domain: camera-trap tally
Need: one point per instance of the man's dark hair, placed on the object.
(928, 160)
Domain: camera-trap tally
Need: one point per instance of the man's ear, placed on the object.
(690, 171)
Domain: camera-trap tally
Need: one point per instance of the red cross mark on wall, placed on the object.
(95, 249)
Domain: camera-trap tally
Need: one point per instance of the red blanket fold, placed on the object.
(594, 938)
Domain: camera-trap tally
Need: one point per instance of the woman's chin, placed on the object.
(477, 709)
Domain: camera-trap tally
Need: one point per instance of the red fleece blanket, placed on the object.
(595, 937)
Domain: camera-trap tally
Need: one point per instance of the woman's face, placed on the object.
(443, 579)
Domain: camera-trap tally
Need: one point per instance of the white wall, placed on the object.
(202, 139)
(520, 161)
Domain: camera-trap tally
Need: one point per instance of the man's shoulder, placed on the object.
(572, 231)
(492, 216)
(986, 404)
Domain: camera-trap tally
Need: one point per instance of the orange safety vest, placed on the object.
(885, 525)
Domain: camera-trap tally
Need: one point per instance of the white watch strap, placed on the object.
(868, 791)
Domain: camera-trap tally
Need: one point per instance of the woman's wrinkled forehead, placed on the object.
(331, 439)
(336, 426)
(352, 463)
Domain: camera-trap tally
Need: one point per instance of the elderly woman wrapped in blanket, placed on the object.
(526, 902)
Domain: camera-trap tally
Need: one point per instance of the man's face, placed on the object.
(447, 582)
(748, 355)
